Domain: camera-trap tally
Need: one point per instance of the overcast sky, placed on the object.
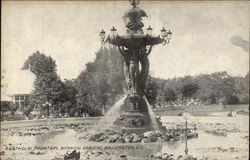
(207, 36)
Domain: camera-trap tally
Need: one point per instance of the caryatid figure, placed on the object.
(135, 78)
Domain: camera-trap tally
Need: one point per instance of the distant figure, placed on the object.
(83, 115)
(87, 114)
(234, 114)
(195, 128)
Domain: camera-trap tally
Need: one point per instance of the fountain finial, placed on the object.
(134, 3)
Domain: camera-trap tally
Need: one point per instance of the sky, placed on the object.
(207, 36)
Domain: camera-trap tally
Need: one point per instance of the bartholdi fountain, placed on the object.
(131, 119)
(135, 114)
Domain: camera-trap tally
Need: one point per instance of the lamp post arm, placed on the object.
(122, 50)
(125, 51)
(149, 51)
(105, 41)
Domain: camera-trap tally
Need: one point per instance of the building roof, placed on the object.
(21, 83)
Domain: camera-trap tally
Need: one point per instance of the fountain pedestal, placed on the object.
(134, 116)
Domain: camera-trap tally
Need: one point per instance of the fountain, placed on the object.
(136, 115)
(131, 119)
(110, 116)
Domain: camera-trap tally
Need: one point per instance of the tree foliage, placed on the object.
(242, 88)
(7, 106)
(151, 90)
(48, 85)
(68, 105)
(101, 82)
(40, 64)
(213, 88)
(169, 95)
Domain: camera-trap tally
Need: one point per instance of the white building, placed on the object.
(20, 87)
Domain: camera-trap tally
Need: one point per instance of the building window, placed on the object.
(22, 103)
(27, 97)
(17, 103)
(16, 97)
(22, 97)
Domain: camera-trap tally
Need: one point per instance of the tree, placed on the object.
(222, 84)
(26, 110)
(216, 87)
(207, 88)
(101, 78)
(13, 109)
(189, 90)
(69, 98)
(6, 106)
(40, 64)
(101, 82)
(151, 90)
(85, 86)
(47, 86)
(242, 88)
(206, 92)
(231, 99)
(169, 95)
(188, 87)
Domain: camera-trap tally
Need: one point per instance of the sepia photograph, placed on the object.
(124, 80)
